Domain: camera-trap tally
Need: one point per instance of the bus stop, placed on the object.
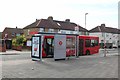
(63, 45)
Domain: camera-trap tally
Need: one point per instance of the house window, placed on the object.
(102, 34)
(13, 34)
(80, 33)
(102, 41)
(71, 32)
(51, 30)
(67, 32)
(107, 35)
(113, 42)
(17, 34)
(28, 32)
(6, 35)
(62, 31)
(41, 30)
(107, 41)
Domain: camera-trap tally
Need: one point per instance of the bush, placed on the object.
(19, 40)
(14, 42)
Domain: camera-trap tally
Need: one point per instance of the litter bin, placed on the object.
(2, 45)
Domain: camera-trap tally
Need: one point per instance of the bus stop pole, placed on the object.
(77, 46)
(41, 48)
(104, 46)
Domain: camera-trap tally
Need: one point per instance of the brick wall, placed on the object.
(2, 48)
(27, 32)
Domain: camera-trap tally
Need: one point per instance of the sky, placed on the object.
(21, 13)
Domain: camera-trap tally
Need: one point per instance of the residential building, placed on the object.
(50, 25)
(9, 33)
(0, 35)
(42, 25)
(107, 35)
(68, 27)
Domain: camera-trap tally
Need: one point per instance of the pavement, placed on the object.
(21, 65)
(14, 52)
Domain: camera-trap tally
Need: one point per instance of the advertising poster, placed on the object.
(36, 47)
(28, 43)
(60, 47)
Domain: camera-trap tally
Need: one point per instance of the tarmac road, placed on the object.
(20, 65)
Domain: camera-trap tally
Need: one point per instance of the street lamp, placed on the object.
(85, 19)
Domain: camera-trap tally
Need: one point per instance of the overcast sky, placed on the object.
(21, 13)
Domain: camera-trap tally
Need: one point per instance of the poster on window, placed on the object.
(36, 42)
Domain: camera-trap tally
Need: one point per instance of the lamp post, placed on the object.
(85, 19)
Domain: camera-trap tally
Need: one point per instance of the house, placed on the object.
(42, 25)
(50, 25)
(107, 35)
(68, 27)
(9, 33)
(0, 35)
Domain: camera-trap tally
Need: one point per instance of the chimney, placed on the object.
(67, 20)
(50, 18)
(103, 25)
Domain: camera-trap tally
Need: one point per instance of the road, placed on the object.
(19, 65)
